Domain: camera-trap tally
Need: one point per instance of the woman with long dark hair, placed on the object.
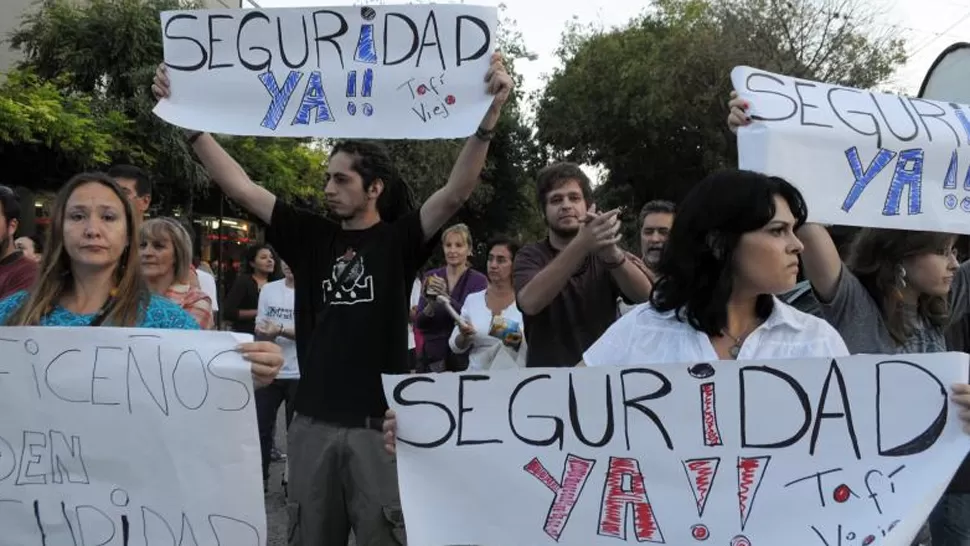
(731, 249)
(242, 302)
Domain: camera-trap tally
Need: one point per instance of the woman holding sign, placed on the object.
(728, 253)
(90, 275)
(896, 294)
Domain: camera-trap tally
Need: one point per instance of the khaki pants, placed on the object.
(341, 479)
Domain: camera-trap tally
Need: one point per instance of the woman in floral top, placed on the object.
(166, 253)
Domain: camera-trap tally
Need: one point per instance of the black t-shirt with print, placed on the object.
(364, 332)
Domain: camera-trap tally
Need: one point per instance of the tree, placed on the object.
(648, 101)
(45, 129)
(105, 52)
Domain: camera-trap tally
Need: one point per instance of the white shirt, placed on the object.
(276, 305)
(415, 298)
(647, 336)
(485, 348)
(207, 283)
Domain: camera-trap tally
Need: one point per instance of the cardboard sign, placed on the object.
(118, 436)
(860, 158)
(398, 71)
(849, 451)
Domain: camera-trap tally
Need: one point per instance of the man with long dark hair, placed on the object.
(353, 282)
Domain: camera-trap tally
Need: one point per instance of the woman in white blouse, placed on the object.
(490, 330)
(732, 247)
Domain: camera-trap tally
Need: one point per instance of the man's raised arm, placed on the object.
(465, 175)
(230, 177)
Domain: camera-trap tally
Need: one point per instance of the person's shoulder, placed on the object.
(478, 276)
(275, 285)
(11, 303)
(166, 314)
(806, 322)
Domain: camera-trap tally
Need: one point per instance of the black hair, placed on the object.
(695, 273)
(143, 184)
(372, 162)
(657, 206)
(9, 204)
(552, 177)
(502, 240)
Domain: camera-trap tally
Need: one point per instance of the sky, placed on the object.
(929, 26)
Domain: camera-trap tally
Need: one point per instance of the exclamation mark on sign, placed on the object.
(367, 87)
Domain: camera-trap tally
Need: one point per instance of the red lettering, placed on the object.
(618, 496)
(575, 472)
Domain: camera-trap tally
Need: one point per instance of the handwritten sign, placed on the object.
(847, 452)
(127, 436)
(861, 158)
(397, 71)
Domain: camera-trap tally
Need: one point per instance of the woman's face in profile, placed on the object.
(766, 260)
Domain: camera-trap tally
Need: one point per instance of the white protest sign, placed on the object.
(114, 436)
(383, 71)
(847, 452)
(860, 158)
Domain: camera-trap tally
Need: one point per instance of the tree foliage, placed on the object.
(104, 52)
(648, 101)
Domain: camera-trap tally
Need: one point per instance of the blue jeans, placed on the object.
(950, 520)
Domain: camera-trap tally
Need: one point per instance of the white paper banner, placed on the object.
(860, 158)
(117, 436)
(397, 71)
(850, 452)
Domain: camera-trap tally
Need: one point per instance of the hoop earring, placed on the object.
(901, 276)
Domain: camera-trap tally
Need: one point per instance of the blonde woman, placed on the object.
(166, 263)
(90, 274)
(455, 281)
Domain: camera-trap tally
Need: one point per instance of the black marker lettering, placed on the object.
(133, 363)
(431, 23)
(635, 403)
(557, 435)
(922, 441)
(256, 67)
(574, 416)
(305, 41)
(876, 132)
(246, 389)
(414, 37)
(169, 36)
(846, 412)
(794, 104)
(462, 410)
(330, 38)
(939, 115)
(94, 511)
(902, 102)
(805, 106)
(399, 399)
(190, 356)
(95, 377)
(213, 40)
(47, 377)
(796, 388)
(486, 39)
(227, 537)
(30, 457)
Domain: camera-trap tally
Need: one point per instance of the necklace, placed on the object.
(735, 349)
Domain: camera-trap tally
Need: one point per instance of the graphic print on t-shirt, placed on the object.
(357, 287)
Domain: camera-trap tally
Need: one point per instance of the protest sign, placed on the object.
(853, 451)
(115, 436)
(860, 158)
(382, 71)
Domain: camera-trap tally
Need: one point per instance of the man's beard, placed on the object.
(564, 233)
(651, 256)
